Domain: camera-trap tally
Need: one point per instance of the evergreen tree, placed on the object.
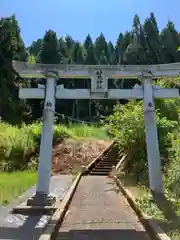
(70, 44)
(170, 42)
(50, 49)
(77, 53)
(122, 42)
(63, 51)
(154, 49)
(89, 55)
(144, 44)
(35, 47)
(135, 52)
(11, 48)
(136, 28)
(101, 49)
(31, 59)
(111, 53)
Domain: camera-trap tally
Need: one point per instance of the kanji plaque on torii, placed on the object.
(99, 82)
(99, 75)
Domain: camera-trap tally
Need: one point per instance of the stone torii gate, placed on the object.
(99, 75)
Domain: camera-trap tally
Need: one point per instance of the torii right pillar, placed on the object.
(153, 154)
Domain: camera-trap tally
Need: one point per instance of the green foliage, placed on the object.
(153, 44)
(165, 214)
(50, 49)
(78, 53)
(126, 125)
(148, 206)
(19, 145)
(31, 59)
(35, 47)
(170, 43)
(144, 44)
(11, 47)
(12, 185)
(173, 174)
(169, 108)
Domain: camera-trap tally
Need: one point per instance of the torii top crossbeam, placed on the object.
(99, 75)
(27, 70)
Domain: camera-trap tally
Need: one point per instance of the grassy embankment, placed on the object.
(18, 147)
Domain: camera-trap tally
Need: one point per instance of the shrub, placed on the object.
(169, 108)
(173, 174)
(126, 125)
(18, 146)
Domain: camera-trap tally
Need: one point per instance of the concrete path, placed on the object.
(20, 227)
(98, 212)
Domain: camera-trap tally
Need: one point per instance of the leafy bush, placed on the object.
(173, 173)
(169, 108)
(126, 125)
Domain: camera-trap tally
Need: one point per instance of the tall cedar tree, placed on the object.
(50, 49)
(12, 48)
(144, 44)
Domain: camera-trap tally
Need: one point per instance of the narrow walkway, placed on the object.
(98, 212)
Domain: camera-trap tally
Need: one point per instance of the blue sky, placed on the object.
(80, 17)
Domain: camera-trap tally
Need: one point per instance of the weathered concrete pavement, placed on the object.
(98, 212)
(21, 227)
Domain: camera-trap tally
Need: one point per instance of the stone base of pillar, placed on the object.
(41, 199)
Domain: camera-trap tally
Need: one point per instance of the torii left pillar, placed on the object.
(42, 197)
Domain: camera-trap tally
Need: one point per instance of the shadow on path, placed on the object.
(27, 231)
(105, 234)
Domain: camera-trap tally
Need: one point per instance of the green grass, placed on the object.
(89, 132)
(18, 145)
(18, 149)
(167, 217)
(14, 184)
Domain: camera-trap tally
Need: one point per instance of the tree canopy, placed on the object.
(144, 44)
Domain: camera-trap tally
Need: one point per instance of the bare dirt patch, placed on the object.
(70, 155)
